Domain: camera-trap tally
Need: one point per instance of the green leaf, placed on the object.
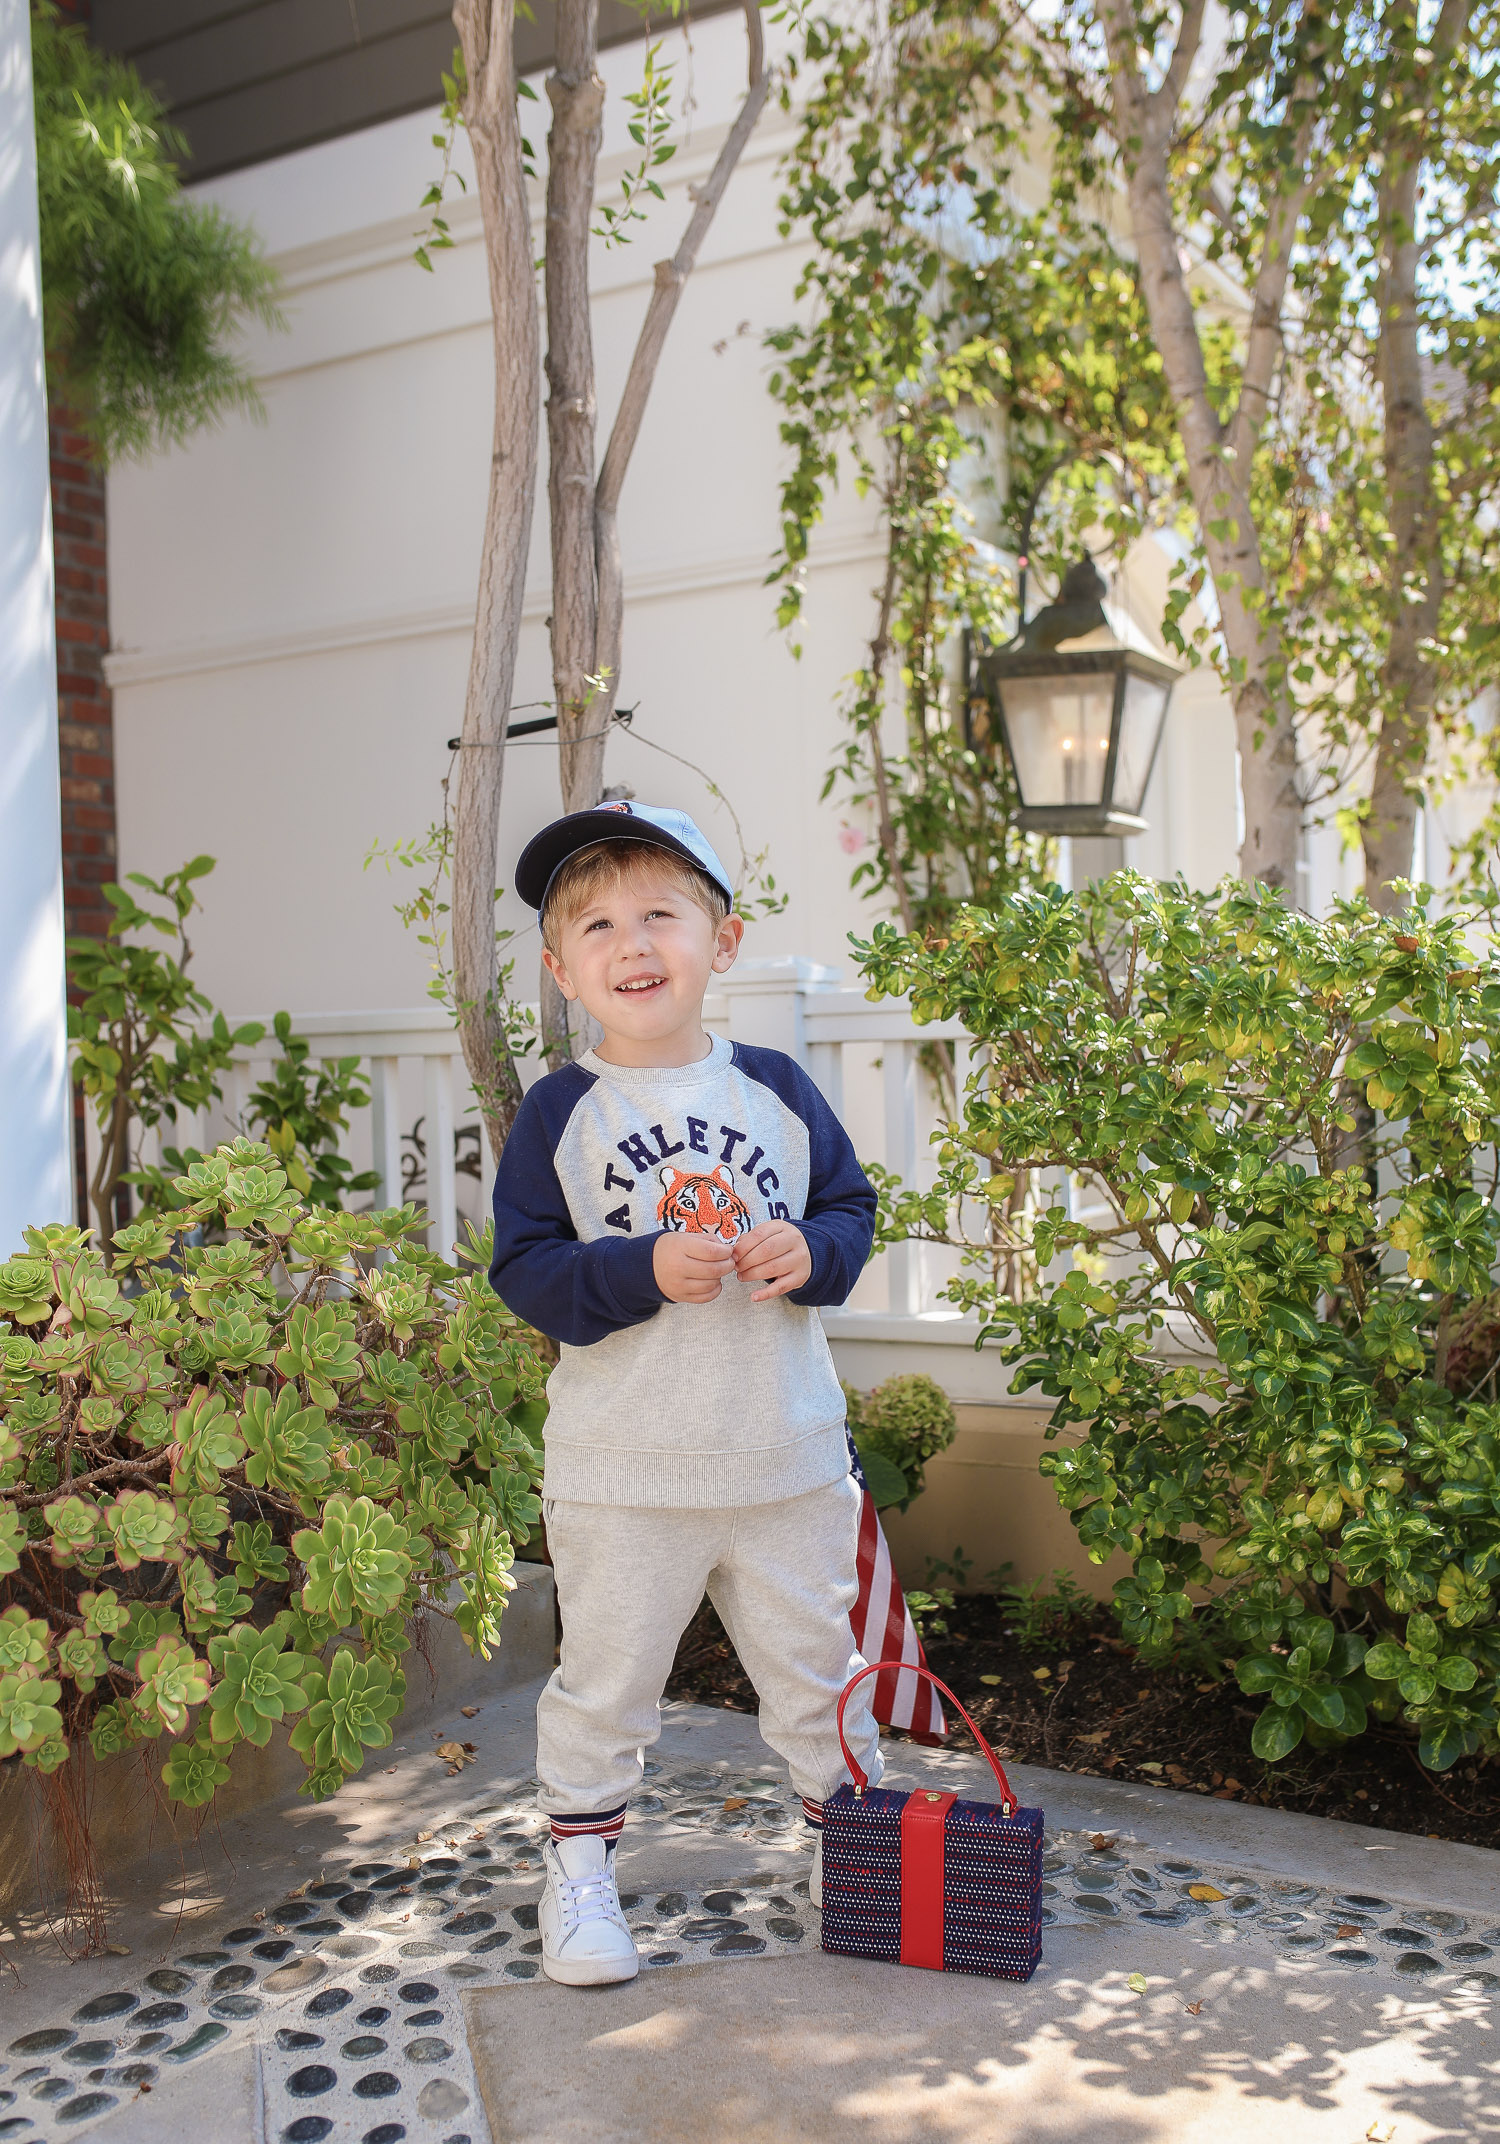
(1323, 1704)
(1276, 1733)
(885, 1481)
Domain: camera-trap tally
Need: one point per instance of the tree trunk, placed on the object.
(1262, 706)
(588, 600)
(1263, 712)
(577, 98)
(585, 544)
(1414, 565)
(576, 95)
(486, 32)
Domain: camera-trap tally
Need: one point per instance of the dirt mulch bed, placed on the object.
(1093, 1708)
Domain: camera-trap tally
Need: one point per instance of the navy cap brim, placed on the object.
(546, 853)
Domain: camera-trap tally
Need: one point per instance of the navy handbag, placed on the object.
(929, 1878)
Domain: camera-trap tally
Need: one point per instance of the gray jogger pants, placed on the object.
(782, 1577)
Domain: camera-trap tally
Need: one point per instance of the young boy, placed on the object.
(672, 1209)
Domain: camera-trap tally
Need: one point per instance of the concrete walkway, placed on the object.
(367, 1973)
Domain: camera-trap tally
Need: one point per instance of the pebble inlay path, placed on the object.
(351, 1987)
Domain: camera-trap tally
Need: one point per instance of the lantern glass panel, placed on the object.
(1059, 736)
(1140, 724)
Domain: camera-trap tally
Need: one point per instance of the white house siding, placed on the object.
(291, 602)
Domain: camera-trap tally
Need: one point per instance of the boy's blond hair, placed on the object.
(584, 877)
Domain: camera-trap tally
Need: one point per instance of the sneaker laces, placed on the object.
(590, 1896)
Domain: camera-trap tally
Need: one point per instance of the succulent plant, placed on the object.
(321, 1349)
(349, 1710)
(234, 1417)
(112, 1731)
(26, 1290)
(259, 1683)
(484, 1586)
(438, 1422)
(144, 1626)
(400, 1299)
(28, 1712)
(103, 1613)
(259, 1198)
(290, 1445)
(23, 1639)
(256, 1552)
(51, 1753)
(81, 1658)
(142, 1529)
(240, 1341)
(75, 1524)
(173, 1678)
(194, 1773)
(209, 1602)
(356, 1562)
(208, 1440)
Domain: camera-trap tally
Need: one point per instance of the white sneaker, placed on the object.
(815, 1881)
(586, 1942)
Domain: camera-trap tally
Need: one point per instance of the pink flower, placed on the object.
(851, 840)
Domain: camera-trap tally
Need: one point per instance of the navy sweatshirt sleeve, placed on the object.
(839, 1219)
(574, 1292)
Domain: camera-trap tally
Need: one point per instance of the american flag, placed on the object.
(883, 1630)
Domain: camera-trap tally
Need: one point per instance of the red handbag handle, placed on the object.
(861, 1779)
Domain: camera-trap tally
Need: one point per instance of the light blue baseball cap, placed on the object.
(655, 825)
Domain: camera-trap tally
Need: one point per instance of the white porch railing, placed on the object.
(863, 1057)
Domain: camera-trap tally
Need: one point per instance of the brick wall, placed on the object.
(86, 747)
(85, 715)
(86, 743)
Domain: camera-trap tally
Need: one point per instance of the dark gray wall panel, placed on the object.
(249, 79)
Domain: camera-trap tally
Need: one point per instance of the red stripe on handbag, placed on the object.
(922, 1822)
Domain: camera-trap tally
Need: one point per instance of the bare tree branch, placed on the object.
(671, 276)
(577, 98)
(1174, 82)
(1263, 345)
(486, 35)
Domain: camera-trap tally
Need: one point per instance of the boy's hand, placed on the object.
(775, 1255)
(691, 1269)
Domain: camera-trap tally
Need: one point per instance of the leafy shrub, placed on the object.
(147, 1044)
(1285, 1129)
(231, 1471)
(144, 289)
(900, 1425)
(146, 1041)
(302, 1108)
(1046, 1618)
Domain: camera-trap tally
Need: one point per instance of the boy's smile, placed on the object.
(639, 958)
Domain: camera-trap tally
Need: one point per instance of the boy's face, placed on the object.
(639, 959)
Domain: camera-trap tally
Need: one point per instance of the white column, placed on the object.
(35, 1138)
(766, 1001)
(442, 1192)
(385, 1128)
(901, 1085)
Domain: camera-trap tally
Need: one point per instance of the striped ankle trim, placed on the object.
(598, 1823)
(812, 1813)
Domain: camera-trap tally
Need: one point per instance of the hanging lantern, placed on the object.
(1080, 713)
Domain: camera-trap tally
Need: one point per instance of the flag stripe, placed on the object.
(883, 1631)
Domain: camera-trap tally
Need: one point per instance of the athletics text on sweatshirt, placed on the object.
(691, 1405)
